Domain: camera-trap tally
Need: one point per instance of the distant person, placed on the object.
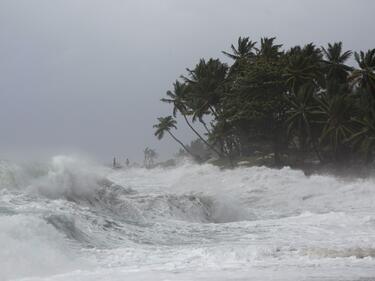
(127, 162)
(114, 162)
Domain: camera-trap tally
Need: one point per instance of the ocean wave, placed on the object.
(75, 213)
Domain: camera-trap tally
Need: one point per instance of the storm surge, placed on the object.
(71, 219)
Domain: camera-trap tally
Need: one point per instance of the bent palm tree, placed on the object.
(165, 125)
(205, 82)
(178, 99)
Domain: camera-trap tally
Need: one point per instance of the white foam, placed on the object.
(68, 177)
(191, 222)
(29, 246)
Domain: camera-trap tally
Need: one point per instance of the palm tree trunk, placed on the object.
(214, 112)
(315, 148)
(277, 148)
(199, 136)
(205, 126)
(276, 153)
(316, 151)
(369, 157)
(186, 149)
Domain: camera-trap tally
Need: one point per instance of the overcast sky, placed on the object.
(87, 76)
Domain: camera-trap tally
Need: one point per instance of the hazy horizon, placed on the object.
(87, 76)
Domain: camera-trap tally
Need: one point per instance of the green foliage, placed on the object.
(258, 97)
(245, 49)
(303, 66)
(304, 101)
(205, 84)
(334, 63)
(364, 77)
(364, 137)
(338, 125)
(177, 98)
(165, 125)
(301, 113)
(268, 50)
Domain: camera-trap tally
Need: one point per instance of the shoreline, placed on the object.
(309, 169)
(360, 171)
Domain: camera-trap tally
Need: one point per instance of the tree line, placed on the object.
(297, 104)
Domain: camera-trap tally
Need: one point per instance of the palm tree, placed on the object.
(334, 62)
(327, 105)
(365, 76)
(336, 113)
(364, 137)
(204, 82)
(303, 67)
(150, 156)
(268, 50)
(244, 49)
(178, 99)
(302, 107)
(166, 124)
(243, 54)
(146, 153)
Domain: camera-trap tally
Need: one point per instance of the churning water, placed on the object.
(71, 220)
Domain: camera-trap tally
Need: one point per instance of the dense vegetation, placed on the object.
(302, 104)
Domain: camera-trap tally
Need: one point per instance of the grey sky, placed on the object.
(87, 75)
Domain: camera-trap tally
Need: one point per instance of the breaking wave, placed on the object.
(82, 217)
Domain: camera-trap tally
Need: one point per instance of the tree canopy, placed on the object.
(303, 103)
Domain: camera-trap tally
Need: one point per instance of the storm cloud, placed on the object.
(86, 75)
